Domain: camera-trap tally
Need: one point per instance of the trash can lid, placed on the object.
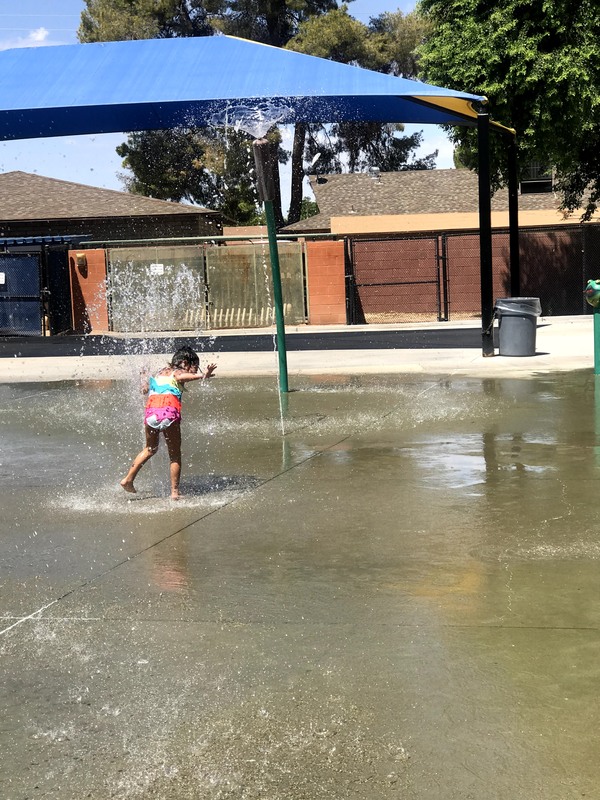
(519, 305)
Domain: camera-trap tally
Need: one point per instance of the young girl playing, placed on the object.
(163, 413)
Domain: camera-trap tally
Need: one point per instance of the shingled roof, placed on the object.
(436, 191)
(25, 196)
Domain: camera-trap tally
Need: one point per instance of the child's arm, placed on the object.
(144, 380)
(184, 377)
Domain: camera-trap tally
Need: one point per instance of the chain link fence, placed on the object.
(436, 277)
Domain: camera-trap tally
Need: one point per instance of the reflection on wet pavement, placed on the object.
(390, 591)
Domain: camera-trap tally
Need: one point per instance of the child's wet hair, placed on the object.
(185, 355)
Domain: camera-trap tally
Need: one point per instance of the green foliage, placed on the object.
(537, 62)
(359, 146)
(167, 167)
(116, 20)
(270, 21)
(386, 45)
(396, 36)
(308, 208)
(370, 144)
(201, 166)
(338, 37)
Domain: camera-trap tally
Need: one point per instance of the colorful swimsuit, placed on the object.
(164, 402)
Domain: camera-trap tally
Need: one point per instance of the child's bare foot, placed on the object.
(175, 495)
(128, 486)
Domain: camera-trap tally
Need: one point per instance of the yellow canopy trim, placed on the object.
(458, 105)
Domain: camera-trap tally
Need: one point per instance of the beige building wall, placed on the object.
(419, 223)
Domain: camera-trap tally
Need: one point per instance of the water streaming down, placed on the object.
(256, 120)
(154, 292)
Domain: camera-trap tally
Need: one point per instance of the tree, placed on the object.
(338, 37)
(397, 37)
(386, 45)
(536, 61)
(199, 165)
(116, 20)
(371, 144)
(308, 208)
(269, 21)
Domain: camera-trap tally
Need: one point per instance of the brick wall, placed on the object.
(88, 291)
(326, 283)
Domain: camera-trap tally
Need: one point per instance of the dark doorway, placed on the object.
(57, 289)
(20, 294)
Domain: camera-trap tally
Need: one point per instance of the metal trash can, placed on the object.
(517, 323)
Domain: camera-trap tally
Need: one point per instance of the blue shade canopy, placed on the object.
(215, 80)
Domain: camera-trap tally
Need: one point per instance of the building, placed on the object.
(415, 201)
(33, 205)
(40, 218)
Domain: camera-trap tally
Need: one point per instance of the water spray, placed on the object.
(266, 191)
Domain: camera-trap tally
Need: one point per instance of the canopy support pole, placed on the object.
(266, 192)
(485, 235)
(513, 218)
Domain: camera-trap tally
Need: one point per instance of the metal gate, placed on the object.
(186, 287)
(57, 289)
(20, 294)
(421, 278)
(398, 280)
(154, 288)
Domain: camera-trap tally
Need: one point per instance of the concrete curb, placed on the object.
(562, 344)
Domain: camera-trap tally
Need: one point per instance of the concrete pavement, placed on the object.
(562, 344)
(385, 588)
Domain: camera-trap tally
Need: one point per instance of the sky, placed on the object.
(92, 160)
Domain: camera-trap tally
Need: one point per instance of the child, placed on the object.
(163, 413)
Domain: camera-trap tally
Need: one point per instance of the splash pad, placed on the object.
(328, 614)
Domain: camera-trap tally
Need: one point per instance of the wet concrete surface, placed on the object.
(388, 588)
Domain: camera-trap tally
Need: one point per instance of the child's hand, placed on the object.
(144, 380)
(209, 371)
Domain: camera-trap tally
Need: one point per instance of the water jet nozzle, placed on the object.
(263, 157)
(592, 292)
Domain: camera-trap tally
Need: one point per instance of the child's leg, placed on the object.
(141, 458)
(173, 440)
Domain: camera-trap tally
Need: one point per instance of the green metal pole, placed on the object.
(277, 295)
(597, 340)
(265, 163)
